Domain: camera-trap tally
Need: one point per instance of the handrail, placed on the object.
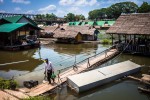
(86, 59)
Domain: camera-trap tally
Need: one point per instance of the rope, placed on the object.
(121, 51)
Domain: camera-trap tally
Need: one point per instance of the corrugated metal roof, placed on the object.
(111, 22)
(83, 23)
(71, 23)
(77, 23)
(100, 23)
(9, 27)
(90, 23)
(13, 19)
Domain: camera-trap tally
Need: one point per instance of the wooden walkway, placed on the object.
(82, 66)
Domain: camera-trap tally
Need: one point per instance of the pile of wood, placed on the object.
(145, 80)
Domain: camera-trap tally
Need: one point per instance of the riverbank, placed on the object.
(46, 41)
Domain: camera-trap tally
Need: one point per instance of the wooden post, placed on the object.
(59, 80)
(38, 35)
(11, 39)
(112, 38)
(105, 53)
(75, 61)
(134, 38)
(88, 63)
(119, 38)
(130, 37)
(25, 32)
(125, 39)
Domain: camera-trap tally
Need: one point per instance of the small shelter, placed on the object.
(18, 32)
(88, 33)
(67, 36)
(133, 31)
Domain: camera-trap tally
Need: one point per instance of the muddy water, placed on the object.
(62, 56)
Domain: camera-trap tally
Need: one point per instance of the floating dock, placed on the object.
(80, 67)
(88, 80)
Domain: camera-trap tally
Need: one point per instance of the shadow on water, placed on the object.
(8, 57)
(73, 49)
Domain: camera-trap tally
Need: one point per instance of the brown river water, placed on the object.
(62, 56)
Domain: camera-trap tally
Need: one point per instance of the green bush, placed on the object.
(106, 41)
(38, 98)
(8, 84)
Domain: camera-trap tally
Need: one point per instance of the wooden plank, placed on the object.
(24, 90)
(146, 77)
(144, 90)
(44, 87)
(17, 94)
(138, 79)
(6, 96)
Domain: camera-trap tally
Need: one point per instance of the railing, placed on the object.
(75, 66)
(145, 49)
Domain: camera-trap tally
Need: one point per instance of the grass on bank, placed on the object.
(38, 98)
(8, 84)
(104, 38)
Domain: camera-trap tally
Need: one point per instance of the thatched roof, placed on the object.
(65, 34)
(49, 29)
(131, 24)
(81, 29)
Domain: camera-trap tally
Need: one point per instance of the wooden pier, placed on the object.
(62, 76)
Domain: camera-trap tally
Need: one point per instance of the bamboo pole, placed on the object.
(138, 79)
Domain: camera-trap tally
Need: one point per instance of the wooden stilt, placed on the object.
(112, 38)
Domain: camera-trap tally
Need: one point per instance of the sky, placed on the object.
(59, 7)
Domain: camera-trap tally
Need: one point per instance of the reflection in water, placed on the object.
(7, 57)
(62, 56)
(74, 49)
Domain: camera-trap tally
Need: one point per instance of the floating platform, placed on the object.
(45, 87)
(88, 80)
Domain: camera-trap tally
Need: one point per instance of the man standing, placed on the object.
(49, 70)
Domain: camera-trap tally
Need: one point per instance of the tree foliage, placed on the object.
(114, 11)
(79, 17)
(72, 17)
(46, 16)
(144, 8)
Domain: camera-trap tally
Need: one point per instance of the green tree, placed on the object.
(46, 16)
(114, 11)
(53, 16)
(70, 17)
(79, 17)
(144, 8)
(123, 7)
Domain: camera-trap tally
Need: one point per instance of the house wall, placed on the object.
(78, 38)
(87, 37)
(24, 20)
(3, 39)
